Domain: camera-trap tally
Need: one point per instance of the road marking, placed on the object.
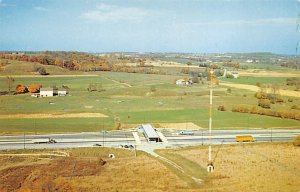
(136, 138)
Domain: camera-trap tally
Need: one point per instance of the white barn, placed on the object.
(46, 92)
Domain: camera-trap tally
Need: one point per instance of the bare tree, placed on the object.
(10, 82)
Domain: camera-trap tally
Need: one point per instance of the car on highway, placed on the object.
(186, 132)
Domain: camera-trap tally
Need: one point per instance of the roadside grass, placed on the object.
(221, 120)
(102, 152)
(190, 168)
(60, 125)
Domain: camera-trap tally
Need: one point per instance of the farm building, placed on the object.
(183, 82)
(62, 92)
(50, 92)
(235, 74)
(150, 133)
(46, 92)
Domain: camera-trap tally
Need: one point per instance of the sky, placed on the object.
(189, 26)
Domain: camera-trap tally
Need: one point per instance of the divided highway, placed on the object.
(117, 138)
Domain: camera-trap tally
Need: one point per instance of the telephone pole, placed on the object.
(210, 166)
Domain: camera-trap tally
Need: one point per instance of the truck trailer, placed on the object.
(43, 141)
(245, 138)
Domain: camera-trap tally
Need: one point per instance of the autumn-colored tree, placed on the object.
(21, 89)
(34, 88)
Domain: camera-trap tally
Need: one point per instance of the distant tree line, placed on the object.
(288, 114)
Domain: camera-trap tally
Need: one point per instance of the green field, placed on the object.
(131, 99)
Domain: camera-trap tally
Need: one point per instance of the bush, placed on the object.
(21, 89)
(260, 95)
(221, 108)
(152, 88)
(42, 71)
(297, 141)
(264, 103)
(34, 88)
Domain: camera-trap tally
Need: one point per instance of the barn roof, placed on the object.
(46, 89)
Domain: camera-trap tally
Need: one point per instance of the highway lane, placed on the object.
(117, 138)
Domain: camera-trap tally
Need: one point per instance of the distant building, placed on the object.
(183, 82)
(50, 92)
(46, 92)
(62, 92)
(235, 74)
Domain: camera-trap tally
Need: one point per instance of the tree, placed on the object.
(21, 89)
(10, 82)
(42, 71)
(34, 88)
(264, 103)
(189, 63)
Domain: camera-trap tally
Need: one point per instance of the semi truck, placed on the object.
(44, 141)
(245, 138)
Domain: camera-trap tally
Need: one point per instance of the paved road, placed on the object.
(117, 138)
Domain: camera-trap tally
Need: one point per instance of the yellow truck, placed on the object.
(245, 138)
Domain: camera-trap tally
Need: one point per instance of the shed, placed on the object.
(150, 133)
(61, 92)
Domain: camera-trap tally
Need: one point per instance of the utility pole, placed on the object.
(210, 166)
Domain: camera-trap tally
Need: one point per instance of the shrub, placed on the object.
(34, 88)
(260, 95)
(297, 141)
(264, 103)
(21, 89)
(221, 108)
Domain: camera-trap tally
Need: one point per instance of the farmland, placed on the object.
(133, 98)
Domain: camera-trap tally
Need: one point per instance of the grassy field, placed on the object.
(131, 98)
(87, 170)
(248, 167)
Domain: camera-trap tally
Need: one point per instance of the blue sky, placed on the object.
(197, 26)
